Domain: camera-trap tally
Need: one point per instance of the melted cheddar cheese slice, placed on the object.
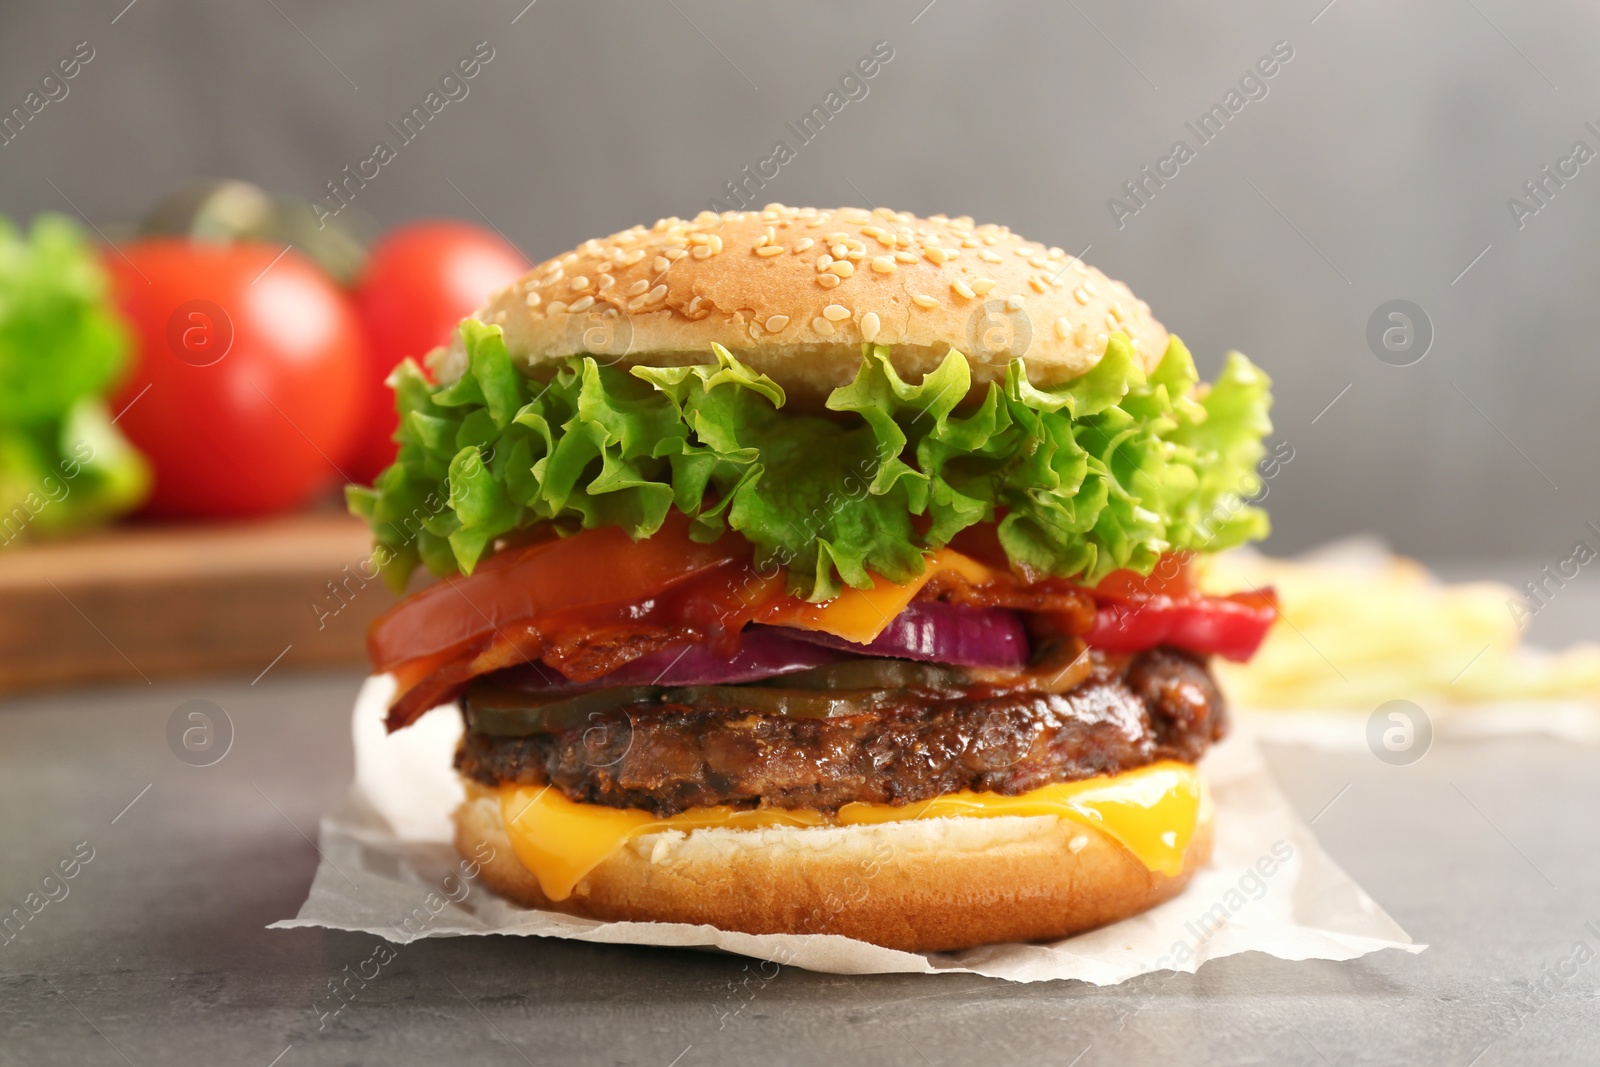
(1150, 812)
(860, 615)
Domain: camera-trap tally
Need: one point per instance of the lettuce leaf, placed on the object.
(1107, 471)
(63, 463)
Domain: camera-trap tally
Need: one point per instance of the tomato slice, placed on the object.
(1170, 577)
(1232, 626)
(582, 604)
(589, 570)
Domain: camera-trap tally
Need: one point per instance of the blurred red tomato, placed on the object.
(247, 385)
(420, 280)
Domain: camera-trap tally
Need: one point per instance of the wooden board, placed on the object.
(148, 602)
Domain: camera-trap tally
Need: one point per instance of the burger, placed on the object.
(822, 572)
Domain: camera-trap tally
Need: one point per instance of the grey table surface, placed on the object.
(158, 952)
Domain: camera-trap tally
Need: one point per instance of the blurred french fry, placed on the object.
(1371, 627)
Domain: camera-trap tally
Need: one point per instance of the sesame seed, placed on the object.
(1078, 843)
(869, 326)
(981, 286)
(694, 305)
(1014, 302)
(583, 303)
(1111, 321)
(658, 293)
(905, 257)
(1039, 261)
(988, 256)
(935, 254)
(842, 267)
(836, 312)
(639, 287)
(824, 261)
(923, 301)
(828, 281)
(776, 323)
(636, 303)
(967, 242)
(822, 326)
(1088, 286)
(556, 307)
(554, 276)
(1080, 295)
(762, 240)
(674, 254)
(698, 238)
(803, 244)
(659, 264)
(701, 252)
(883, 264)
(1037, 283)
(1063, 328)
(580, 283)
(840, 250)
(630, 258)
(1100, 340)
(533, 299)
(1116, 312)
(715, 242)
(963, 290)
(770, 250)
(873, 231)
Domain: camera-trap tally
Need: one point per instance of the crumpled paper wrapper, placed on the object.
(388, 868)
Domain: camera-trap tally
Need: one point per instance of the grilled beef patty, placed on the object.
(1131, 711)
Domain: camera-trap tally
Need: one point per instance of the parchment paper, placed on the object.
(388, 868)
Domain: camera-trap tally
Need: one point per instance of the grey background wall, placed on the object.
(1377, 166)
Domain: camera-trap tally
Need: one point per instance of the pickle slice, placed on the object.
(854, 687)
(874, 674)
(505, 714)
(788, 703)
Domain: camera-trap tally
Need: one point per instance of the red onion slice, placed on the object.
(938, 633)
(764, 652)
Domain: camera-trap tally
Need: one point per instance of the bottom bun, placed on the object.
(920, 886)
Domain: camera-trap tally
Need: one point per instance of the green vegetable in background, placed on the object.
(63, 464)
(1105, 472)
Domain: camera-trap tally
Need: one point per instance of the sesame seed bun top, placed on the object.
(793, 292)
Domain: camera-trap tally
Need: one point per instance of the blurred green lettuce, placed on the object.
(63, 464)
(1107, 471)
